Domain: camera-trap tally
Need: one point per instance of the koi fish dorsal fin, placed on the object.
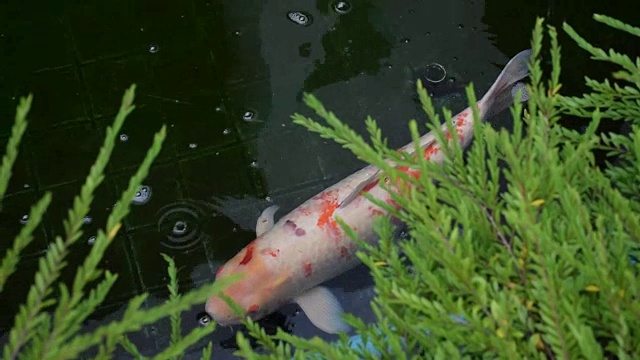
(323, 309)
(358, 189)
(265, 221)
(425, 141)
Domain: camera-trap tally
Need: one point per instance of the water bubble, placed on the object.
(91, 240)
(181, 225)
(203, 319)
(435, 73)
(460, 26)
(451, 80)
(193, 146)
(24, 219)
(141, 29)
(237, 33)
(218, 108)
(341, 7)
(142, 196)
(249, 115)
(300, 18)
(405, 40)
(26, 186)
(254, 164)
(455, 58)
(124, 137)
(153, 48)
(268, 198)
(87, 220)
(226, 132)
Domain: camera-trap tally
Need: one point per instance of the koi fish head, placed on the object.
(256, 293)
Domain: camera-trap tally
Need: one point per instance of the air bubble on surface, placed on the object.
(300, 18)
(435, 73)
(203, 319)
(142, 196)
(342, 7)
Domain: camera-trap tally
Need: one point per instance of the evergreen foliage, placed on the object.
(49, 322)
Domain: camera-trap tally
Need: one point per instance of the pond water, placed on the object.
(225, 76)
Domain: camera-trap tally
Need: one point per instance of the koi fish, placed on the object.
(290, 259)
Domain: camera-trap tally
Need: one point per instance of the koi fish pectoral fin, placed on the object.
(358, 189)
(265, 221)
(323, 310)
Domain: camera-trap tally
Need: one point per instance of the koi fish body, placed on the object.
(290, 258)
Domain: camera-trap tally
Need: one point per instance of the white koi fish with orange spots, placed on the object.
(290, 258)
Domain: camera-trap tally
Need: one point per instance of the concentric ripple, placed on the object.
(181, 225)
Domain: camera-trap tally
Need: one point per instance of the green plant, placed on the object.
(48, 323)
(540, 270)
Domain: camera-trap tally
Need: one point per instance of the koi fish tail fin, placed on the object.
(503, 91)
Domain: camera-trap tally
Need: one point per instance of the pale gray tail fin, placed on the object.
(503, 91)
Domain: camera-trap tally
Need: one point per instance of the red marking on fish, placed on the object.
(412, 172)
(307, 269)
(431, 150)
(392, 202)
(370, 186)
(270, 252)
(219, 270)
(375, 211)
(344, 252)
(300, 232)
(247, 255)
(462, 118)
(253, 308)
(305, 211)
(329, 206)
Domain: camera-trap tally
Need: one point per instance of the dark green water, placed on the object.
(225, 76)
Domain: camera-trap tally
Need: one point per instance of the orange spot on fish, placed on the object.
(307, 269)
(247, 255)
(412, 172)
(253, 308)
(329, 206)
(462, 117)
(430, 151)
